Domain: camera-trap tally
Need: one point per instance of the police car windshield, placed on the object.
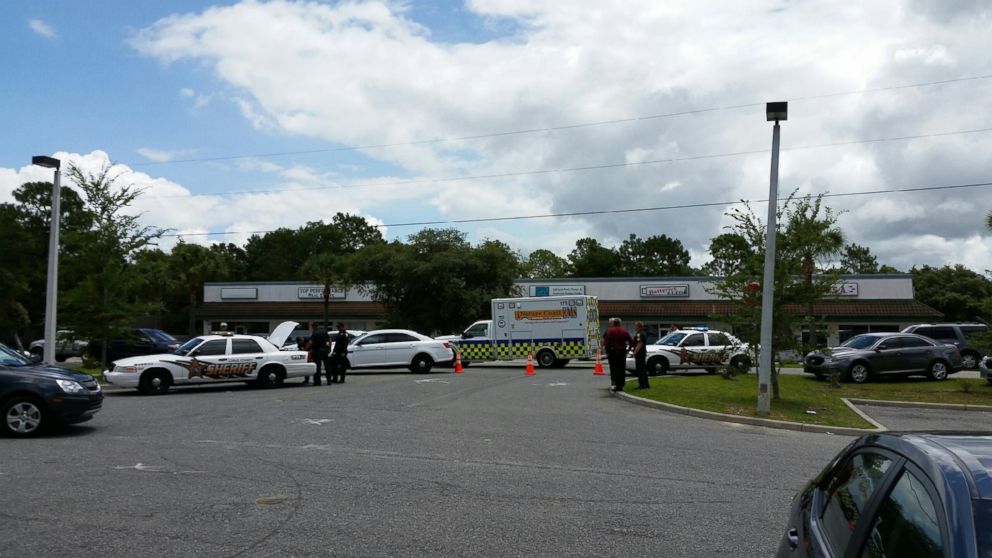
(188, 346)
(670, 339)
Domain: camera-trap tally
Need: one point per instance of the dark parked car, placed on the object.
(898, 495)
(954, 334)
(139, 341)
(34, 396)
(869, 355)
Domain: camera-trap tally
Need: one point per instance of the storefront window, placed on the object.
(847, 331)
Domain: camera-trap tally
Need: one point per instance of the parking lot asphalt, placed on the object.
(489, 462)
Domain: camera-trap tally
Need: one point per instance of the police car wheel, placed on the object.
(154, 382)
(657, 366)
(421, 364)
(269, 377)
(741, 363)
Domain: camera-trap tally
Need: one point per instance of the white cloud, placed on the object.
(42, 28)
(161, 155)
(364, 73)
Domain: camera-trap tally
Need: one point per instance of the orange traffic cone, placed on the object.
(458, 362)
(530, 366)
(598, 371)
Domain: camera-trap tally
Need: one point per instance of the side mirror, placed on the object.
(881, 347)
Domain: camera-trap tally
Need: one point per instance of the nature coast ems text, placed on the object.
(554, 329)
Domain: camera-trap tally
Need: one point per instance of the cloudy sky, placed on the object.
(248, 116)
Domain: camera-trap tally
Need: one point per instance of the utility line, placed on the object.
(626, 210)
(571, 169)
(556, 128)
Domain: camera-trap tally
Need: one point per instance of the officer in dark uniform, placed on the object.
(640, 355)
(339, 355)
(320, 347)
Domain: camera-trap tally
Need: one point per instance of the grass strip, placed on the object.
(801, 394)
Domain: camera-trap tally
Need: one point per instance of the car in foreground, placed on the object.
(694, 348)
(898, 495)
(394, 348)
(871, 355)
(959, 334)
(213, 359)
(34, 396)
(66, 346)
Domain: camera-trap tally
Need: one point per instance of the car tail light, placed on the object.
(447, 345)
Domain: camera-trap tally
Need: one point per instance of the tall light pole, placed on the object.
(51, 296)
(773, 112)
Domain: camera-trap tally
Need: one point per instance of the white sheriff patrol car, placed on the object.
(694, 348)
(217, 358)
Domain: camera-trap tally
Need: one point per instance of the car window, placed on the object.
(915, 342)
(159, 335)
(968, 331)
(214, 347)
(907, 523)
(10, 357)
(890, 343)
(371, 339)
(478, 330)
(670, 339)
(243, 346)
(718, 339)
(860, 342)
(848, 492)
(941, 333)
(400, 338)
(694, 340)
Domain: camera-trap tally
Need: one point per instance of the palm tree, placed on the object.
(327, 269)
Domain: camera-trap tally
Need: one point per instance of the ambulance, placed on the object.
(552, 329)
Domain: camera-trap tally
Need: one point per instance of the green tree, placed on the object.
(437, 281)
(192, 265)
(591, 259)
(328, 269)
(101, 300)
(544, 264)
(956, 291)
(18, 263)
(156, 284)
(280, 254)
(858, 259)
(730, 253)
(654, 256)
(801, 238)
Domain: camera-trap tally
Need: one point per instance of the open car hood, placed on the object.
(281, 333)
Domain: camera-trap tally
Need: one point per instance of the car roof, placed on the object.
(409, 331)
(967, 454)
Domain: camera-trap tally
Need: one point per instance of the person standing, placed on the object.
(339, 355)
(640, 355)
(617, 341)
(320, 347)
(301, 345)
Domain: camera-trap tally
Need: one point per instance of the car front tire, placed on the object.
(858, 373)
(24, 417)
(969, 360)
(155, 382)
(657, 366)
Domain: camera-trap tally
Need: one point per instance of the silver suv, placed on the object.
(956, 334)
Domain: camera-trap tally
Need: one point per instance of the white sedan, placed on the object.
(695, 348)
(385, 348)
(211, 359)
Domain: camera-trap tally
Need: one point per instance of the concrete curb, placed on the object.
(753, 421)
(921, 405)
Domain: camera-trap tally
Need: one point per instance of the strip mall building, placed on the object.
(862, 303)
